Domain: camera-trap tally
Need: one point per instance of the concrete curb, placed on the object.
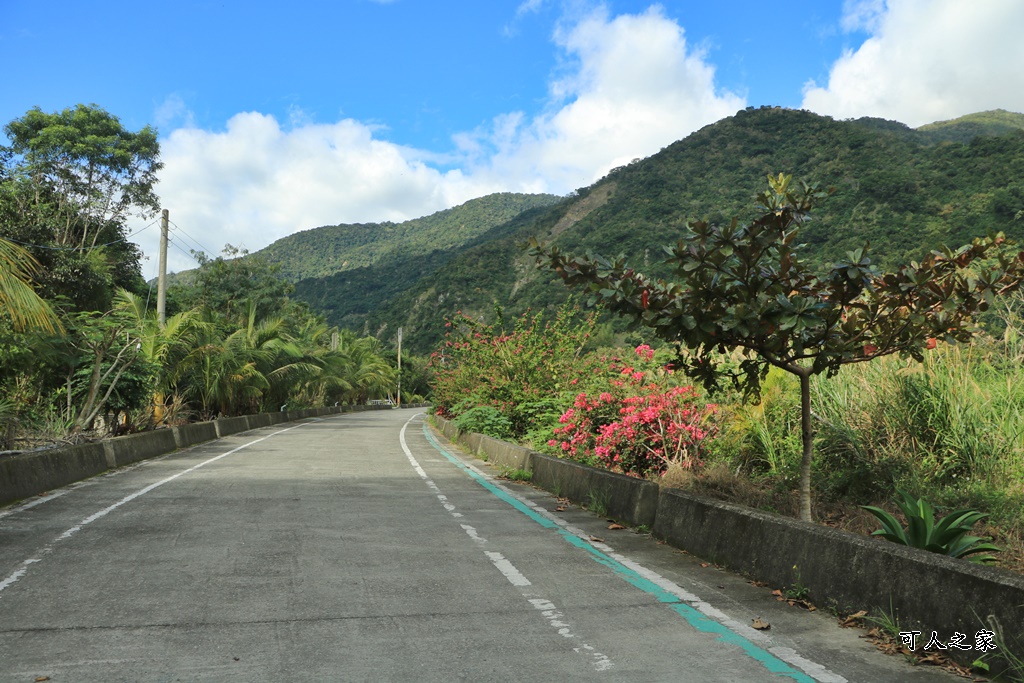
(28, 474)
(925, 591)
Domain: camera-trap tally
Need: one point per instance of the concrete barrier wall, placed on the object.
(926, 591)
(626, 499)
(226, 426)
(28, 474)
(126, 450)
(191, 434)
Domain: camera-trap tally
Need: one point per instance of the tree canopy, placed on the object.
(744, 286)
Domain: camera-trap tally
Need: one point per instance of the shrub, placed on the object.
(485, 420)
(635, 426)
(515, 372)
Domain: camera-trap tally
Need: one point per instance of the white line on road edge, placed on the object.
(600, 662)
(48, 548)
(638, 575)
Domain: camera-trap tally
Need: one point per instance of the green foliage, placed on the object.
(513, 474)
(233, 283)
(485, 420)
(70, 180)
(17, 298)
(966, 128)
(327, 250)
(743, 286)
(896, 189)
(947, 536)
(597, 502)
(516, 371)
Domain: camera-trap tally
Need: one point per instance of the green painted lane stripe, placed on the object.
(693, 617)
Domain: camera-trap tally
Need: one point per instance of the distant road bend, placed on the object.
(363, 547)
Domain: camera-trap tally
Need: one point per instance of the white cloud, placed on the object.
(173, 113)
(635, 86)
(631, 85)
(256, 182)
(927, 60)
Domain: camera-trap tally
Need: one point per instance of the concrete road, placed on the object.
(362, 547)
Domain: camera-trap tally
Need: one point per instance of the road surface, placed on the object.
(363, 547)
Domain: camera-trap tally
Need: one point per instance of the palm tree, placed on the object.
(17, 298)
(166, 346)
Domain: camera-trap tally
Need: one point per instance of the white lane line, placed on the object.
(420, 471)
(508, 570)
(813, 669)
(600, 662)
(554, 617)
(473, 534)
(48, 548)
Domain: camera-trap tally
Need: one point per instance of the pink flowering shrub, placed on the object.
(523, 372)
(636, 425)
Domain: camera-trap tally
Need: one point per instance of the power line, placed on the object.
(198, 243)
(191, 256)
(43, 246)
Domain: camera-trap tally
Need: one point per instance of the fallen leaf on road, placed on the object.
(704, 564)
(759, 584)
(853, 619)
(559, 509)
(42, 678)
(595, 539)
(615, 526)
(761, 625)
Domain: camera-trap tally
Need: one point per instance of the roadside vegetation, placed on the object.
(905, 393)
(81, 350)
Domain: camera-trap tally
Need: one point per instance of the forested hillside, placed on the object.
(902, 190)
(331, 249)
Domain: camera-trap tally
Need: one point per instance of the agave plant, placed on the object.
(949, 536)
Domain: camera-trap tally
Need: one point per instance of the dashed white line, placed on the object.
(514, 576)
(555, 618)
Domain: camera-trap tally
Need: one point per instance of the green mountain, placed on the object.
(966, 128)
(331, 249)
(905, 191)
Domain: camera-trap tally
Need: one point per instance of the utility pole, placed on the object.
(161, 280)
(399, 367)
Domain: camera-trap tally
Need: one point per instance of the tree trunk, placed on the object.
(808, 440)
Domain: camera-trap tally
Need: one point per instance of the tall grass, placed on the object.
(950, 429)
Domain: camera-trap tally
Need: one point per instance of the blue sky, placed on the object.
(278, 117)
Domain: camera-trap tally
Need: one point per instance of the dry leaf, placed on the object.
(595, 539)
(777, 593)
(759, 584)
(559, 509)
(853, 619)
(704, 564)
(42, 678)
(615, 526)
(761, 625)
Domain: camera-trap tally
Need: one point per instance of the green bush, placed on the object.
(485, 420)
